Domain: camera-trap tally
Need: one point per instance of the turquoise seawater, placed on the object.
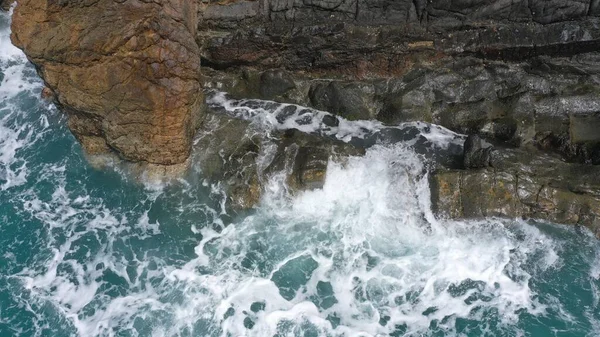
(90, 251)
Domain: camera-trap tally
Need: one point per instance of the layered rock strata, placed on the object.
(524, 75)
(518, 72)
(125, 72)
(521, 183)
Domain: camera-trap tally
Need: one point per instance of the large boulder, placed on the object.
(127, 73)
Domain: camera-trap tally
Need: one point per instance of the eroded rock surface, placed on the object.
(521, 183)
(384, 37)
(552, 103)
(524, 75)
(126, 72)
(245, 158)
(517, 72)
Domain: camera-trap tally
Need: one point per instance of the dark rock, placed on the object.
(126, 73)
(286, 113)
(227, 149)
(477, 153)
(275, 83)
(349, 100)
(331, 121)
(583, 152)
(585, 128)
(513, 73)
(5, 4)
(509, 104)
(406, 106)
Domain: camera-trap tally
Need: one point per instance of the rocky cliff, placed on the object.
(523, 74)
(520, 72)
(126, 72)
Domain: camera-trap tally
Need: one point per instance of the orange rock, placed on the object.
(126, 72)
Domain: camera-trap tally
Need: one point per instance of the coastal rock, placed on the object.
(524, 72)
(349, 100)
(125, 72)
(477, 153)
(523, 183)
(524, 75)
(245, 158)
(508, 103)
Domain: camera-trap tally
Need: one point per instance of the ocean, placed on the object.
(94, 251)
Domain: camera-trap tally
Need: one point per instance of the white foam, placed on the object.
(282, 116)
(8, 51)
(368, 233)
(18, 81)
(373, 240)
(378, 214)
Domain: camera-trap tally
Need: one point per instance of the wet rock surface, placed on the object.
(477, 153)
(244, 158)
(126, 73)
(552, 103)
(521, 183)
(516, 72)
(521, 75)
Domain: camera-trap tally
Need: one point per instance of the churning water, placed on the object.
(90, 252)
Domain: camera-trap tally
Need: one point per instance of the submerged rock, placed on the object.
(126, 72)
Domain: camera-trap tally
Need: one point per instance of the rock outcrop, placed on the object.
(516, 72)
(125, 72)
(245, 158)
(383, 37)
(521, 183)
(524, 75)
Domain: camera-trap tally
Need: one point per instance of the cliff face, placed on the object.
(518, 72)
(373, 38)
(524, 74)
(126, 72)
